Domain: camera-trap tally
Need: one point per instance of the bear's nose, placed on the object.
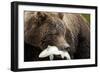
(64, 47)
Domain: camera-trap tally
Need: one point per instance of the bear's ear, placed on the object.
(60, 15)
(41, 16)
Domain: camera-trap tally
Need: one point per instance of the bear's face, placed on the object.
(45, 29)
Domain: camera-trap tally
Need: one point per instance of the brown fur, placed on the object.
(44, 28)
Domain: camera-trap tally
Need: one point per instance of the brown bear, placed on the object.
(67, 31)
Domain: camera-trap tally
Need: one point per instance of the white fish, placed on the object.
(66, 55)
(53, 50)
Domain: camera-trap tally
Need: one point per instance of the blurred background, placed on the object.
(87, 17)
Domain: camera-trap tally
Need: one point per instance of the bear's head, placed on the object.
(44, 28)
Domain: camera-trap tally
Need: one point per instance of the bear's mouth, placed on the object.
(52, 51)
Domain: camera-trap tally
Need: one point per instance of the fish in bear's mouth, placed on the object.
(50, 51)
